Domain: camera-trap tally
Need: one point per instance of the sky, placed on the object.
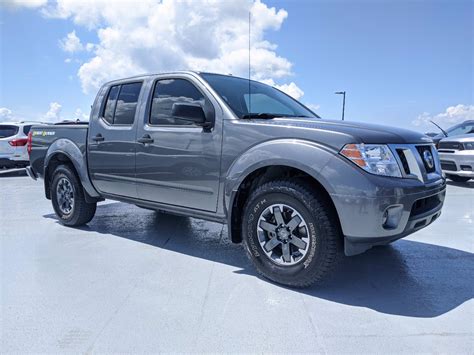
(402, 63)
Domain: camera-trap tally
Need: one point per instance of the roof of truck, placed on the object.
(146, 75)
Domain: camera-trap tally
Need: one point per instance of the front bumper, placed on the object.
(460, 163)
(362, 218)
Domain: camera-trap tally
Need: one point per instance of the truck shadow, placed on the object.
(469, 184)
(12, 173)
(409, 278)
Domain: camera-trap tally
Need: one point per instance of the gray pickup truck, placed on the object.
(295, 189)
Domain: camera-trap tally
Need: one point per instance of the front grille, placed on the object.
(424, 205)
(450, 145)
(403, 159)
(448, 165)
(421, 149)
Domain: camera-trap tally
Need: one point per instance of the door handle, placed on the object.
(146, 139)
(98, 138)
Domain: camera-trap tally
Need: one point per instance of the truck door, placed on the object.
(178, 162)
(112, 141)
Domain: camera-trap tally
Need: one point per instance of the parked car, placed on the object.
(457, 157)
(13, 138)
(466, 127)
(292, 187)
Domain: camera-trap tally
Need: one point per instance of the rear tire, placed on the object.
(305, 263)
(457, 178)
(67, 196)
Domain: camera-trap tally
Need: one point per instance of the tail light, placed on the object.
(29, 143)
(20, 142)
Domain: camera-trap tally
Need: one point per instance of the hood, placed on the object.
(357, 132)
(463, 138)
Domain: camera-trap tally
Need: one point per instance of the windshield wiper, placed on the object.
(260, 115)
(265, 115)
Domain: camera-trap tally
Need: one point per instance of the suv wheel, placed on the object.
(68, 198)
(291, 234)
(457, 178)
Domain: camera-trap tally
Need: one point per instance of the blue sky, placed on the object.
(401, 62)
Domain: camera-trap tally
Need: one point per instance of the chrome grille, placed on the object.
(421, 149)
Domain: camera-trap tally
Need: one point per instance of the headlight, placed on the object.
(374, 158)
(468, 146)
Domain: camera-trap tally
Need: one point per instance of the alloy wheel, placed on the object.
(65, 196)
(283, 234)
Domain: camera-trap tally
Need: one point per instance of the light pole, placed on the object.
(343, 93)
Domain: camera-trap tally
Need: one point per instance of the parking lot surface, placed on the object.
(134, 280)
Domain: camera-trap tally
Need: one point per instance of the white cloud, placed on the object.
(290, 89)
(153, 36)
(90, 47)
(32, 4)
(71, 43)
(5, 114)
(452, 115)
(54, 113)
(313, 107)
(80, 115)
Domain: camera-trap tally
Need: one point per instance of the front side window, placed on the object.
(251, 98)
(168, 92)
(121, 104)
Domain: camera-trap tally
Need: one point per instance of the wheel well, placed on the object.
(56, 160)
(261, 176)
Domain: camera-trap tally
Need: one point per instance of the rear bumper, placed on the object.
(10, 163)
(364, 219)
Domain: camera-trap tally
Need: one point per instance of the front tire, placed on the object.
(457, 178)
(67, 196)
(291, 234)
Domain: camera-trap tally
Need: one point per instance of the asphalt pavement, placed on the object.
(136, 281)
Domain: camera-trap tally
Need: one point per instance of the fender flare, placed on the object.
(307, 156)
(79, 161)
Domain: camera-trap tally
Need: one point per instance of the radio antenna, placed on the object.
(250, 96)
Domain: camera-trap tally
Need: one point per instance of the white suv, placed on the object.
(13, 144)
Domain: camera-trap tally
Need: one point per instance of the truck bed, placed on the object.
(45, 137)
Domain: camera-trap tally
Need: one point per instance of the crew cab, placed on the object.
(295, 189)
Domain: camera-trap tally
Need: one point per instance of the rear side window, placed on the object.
(110, 105)
(121, 104)
(170, 91)
(8, 131)
(127, 103)
(26, 129)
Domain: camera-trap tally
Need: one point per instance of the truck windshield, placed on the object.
(256, 100)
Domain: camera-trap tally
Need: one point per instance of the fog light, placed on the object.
(391, 217)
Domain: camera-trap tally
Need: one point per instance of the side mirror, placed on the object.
(189, 112)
